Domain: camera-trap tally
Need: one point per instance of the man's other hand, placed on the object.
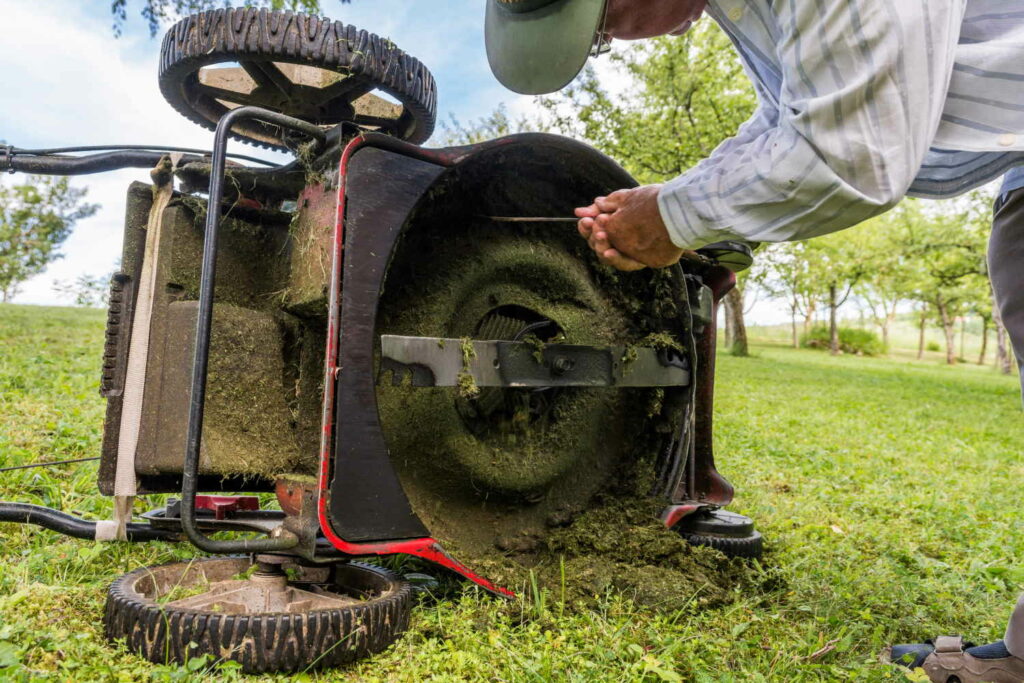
(625, 230)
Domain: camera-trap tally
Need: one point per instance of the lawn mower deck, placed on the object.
(351, 332)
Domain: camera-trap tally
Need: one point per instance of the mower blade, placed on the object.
(435, 361)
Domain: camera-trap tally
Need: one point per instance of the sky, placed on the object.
(67, 81)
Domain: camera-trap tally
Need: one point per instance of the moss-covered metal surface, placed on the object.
(265, 378)
(562, 497)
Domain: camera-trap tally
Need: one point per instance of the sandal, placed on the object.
(949, 660)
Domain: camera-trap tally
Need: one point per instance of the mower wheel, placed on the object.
(731, 533)
(750, 547)
(326, 616)
(308, 67)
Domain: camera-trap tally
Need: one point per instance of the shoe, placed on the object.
(949, 660)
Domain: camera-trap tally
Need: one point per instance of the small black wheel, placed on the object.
(312, 68)
(295, 619)
(731, 533)
(751, 547)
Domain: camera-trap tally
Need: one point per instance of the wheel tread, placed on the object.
(227, 34)
(259, 642)
(748, 547)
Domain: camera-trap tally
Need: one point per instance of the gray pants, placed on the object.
(1006, 268)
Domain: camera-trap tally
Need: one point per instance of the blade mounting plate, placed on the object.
(443, 362)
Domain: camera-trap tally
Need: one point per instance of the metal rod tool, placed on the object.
(530, 219)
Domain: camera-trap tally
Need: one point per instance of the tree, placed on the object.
(1002, 348)
(886, 280)
(160, 12)
(736, 328)
(497, 124)
(782, 271)
(91, 291)
(35, 219)
(946, 259)
(836, 263)
(981, 306)
(685, 95)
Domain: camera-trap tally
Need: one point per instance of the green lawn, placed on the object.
(885, 489)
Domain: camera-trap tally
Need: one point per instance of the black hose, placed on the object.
(94, 163)
(69, 525)
(123, 148)
(15, 160)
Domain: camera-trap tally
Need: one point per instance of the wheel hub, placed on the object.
(503, 464)
(496, 411)
(266, 590)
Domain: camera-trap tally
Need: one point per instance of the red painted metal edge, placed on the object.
(673, 513)
(426, 548)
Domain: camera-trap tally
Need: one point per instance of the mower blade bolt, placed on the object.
(561, 365)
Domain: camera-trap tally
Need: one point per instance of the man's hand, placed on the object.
(625, 230)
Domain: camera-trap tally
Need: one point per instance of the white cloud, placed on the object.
(68, 82)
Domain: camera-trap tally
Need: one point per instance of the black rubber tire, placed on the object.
(229, 35)
(749, 547)
(260, 642)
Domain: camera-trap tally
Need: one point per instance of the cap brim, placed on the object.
(541, 51)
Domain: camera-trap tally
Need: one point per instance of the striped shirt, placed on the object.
(860, 103)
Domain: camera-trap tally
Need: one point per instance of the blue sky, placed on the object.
(67, 81)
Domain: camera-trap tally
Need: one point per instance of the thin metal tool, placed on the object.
(530, 219)
(46, 464)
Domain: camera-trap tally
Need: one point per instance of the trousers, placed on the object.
(1006, 269)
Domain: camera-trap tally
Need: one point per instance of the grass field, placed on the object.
(888, 492)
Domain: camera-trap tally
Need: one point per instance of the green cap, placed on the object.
(538, 46)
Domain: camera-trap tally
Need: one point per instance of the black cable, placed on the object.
(146, 148)
(69, 525)
(47, 464)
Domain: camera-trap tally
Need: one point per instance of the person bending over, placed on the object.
(860, 103)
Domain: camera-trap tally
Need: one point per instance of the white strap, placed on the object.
(106, 530)
(125, 485)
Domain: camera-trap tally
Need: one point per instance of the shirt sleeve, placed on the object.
(863, 88)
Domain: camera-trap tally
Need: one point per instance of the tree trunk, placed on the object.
(890, 318)
(809, 316)
(727, 314)
(833, 327)
(984, 340)
(792, 318)
(920, 335)
(948, 329)
(739, 329)
(1002, 350)
(963, 335)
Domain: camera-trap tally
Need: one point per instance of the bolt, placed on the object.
(561, 365)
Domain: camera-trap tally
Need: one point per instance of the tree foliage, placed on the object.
(931, 255)
(783, 272)
(684, 96)
(495, 125)
(91, 291)
(36, 217)
(157, 13)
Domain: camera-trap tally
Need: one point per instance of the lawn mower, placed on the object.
(382, 335)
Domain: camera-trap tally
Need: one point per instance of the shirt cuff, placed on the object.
(685, 227)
